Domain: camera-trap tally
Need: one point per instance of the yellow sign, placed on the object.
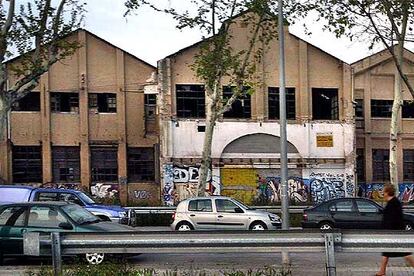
(324, 140)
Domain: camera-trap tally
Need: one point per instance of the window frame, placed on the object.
(101, 171)
(197, 206)
(381, 108)
(198, 99)
(273, 103)
(380, 167)
(408, 165)
(27, 102)
(106, 103)
(71, 102)
(317, 105)
(136, 166)
(70, 160)
(32, 165)
(241, 107)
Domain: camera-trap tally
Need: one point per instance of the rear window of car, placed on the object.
(46, 196)
(200, 205)
(12, 216)
(11, 195)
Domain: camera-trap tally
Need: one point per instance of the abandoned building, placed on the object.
(245, 151)
(88, 125)
(374, 92)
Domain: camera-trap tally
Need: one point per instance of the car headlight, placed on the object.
(274, 218)
(122, 214)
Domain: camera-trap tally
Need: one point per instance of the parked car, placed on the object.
(15, 194)
(221, 213)
(19, 218)
(348, 213)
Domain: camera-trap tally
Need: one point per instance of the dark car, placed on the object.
(348, 213)
(45, 217)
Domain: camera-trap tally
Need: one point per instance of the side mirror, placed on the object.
(65, 226)
(238, 210)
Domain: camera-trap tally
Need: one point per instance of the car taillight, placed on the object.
(305, 216)
(173, 216)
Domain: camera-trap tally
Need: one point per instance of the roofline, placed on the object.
(378, 52)
(96, 36)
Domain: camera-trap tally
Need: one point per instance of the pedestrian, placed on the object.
(392, 220)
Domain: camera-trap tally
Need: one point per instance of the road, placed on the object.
(308, 264)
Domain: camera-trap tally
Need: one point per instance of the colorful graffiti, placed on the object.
(325, 186)
(102, 190)
(72, 186)
(269, 190)
(168, 185)
(142, 194)
(374, 191)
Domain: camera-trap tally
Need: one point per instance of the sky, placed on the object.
(152, 36)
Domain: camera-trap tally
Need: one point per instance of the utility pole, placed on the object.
(283, 135)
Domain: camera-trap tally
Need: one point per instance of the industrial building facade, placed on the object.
(245, 151)
(88, 125)
(374, 92)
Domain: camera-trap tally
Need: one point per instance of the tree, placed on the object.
(35, 32)
(389, 23)
(218, 63)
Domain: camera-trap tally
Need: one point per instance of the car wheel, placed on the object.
(408, 227)
(184, 226)
(258, 226)
(95, 258)
(325, 226)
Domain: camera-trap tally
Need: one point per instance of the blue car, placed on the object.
(17, 194)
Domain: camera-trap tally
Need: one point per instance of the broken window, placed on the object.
(27, 164)
(64, 102)
(381, 108)
(104, 164)
(360, 165)
(359, 108)
(102, 102)
(141, 164)
(408, 167)
(325, 104)
(66, 164)
(150, 106)
(274, 104)
(190, 101)
(408, 109)
(380, 165)
(241, 107)
(30, 102)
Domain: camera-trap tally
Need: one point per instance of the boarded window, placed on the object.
(325, 104)
(190, 101)
(30, 102)
(380, 165)
(141, 165)
(408, 109)
(359, 108)
(66, 164)
(408, 168)
(27, 164)
(241, 108)
(102, 102)
(104, 164)
(360, 165)
(274, 103)
(64, 102)
(381, 108)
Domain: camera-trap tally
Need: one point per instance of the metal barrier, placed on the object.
(273, 209)
(218, 242)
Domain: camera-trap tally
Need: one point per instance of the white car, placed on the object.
(221, 213)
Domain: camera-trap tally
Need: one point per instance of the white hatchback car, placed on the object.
(221, 213)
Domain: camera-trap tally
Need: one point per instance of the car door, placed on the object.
(230, 216)
(344, 213)
(12, 227)
(369, 214)
(201, 215)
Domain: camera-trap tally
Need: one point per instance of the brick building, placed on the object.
(88, 124)
(245, 152)
(374, 91)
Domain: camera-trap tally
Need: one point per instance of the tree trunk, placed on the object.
(394, 129)
(208, 140)
(4, 108)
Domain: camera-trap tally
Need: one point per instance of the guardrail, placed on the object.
(273, 209)
(218, 242)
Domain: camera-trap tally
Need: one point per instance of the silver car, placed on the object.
(221, 213)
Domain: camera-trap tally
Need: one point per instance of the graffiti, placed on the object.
(71, 186)
(168, 189)
(406, 192)
(187, 174)
(269, 190)
(325, 186)
(372, 191)
(102, 190)
(142, 194)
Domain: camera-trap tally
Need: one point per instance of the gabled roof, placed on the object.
(97, 37)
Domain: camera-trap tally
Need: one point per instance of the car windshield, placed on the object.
(242, 205)
(86, 199)
(79, 215)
